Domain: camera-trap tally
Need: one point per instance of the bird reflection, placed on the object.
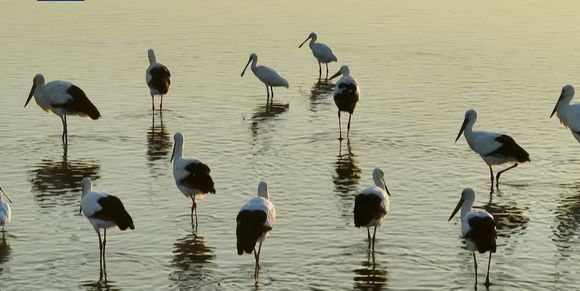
(567, 224)
(5, 251)
(509, 219)
(371, 276)
(322, 88)
(264, 113)
(158, 141)
(59, 182)
(100, 285)
(347, 177)
(190, 257)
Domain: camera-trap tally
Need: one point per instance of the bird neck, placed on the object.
(379, 182)
(152, 59)
(466, 208)
(312, 42)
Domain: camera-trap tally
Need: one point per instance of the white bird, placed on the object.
(5, 211)
(62, 98)
(371, 205)
(254, 221)
(569, 115)
(477, 228)
(191, 176)
(103, 210)
(494, 148)
(346, 95)
(268, 76)
(321, 52)
(158, 78)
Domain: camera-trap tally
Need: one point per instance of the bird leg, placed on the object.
(500, 172)
(348, 126)
(259, 251)
(104, 249)
(475, 266)
(267, 94)
(320, 71)
(256, 266)
(272, 90)
(374, 234)
(63, 128)
(152, 103)
(487, 284)
(339, 128)
(327, 71)
(369, 236)
(100, 251)
(161, 104)
(193, 209)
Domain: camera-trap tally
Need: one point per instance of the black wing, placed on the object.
(160, 79)
(79, 104)
(250, 226)
(483, 233)
(366, 208)
(199, 178)
(510, 148)
(347, 99)
(113, 210)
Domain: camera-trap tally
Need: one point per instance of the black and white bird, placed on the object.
(158, 79)
(192, 177)
(477, 228)
(62, 98)
(569, 115)
(494, 148)
(255, 220)
(267, 75)
(371, 205)
(5, 211)
(346, 95)
(103, 210)
(321, 52)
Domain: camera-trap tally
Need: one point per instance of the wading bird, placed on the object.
(268, 76)
(103, 210)
(494, 148)
(62, 98)
(158, 79)
(321, 52)
(477, 228)
(371, 206)
(255, 220)
(191, 176)
(5, 211)
(569, 115)
(346, 95)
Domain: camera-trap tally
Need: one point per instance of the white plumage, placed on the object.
(477, 228)
(493, 148)
(346, 95)
(321, 52)
(157, 77)
(61, 98)
(192, 177)
(371, 206)
(568, 114)
(5, 211)
(255, 220)
(268, 76)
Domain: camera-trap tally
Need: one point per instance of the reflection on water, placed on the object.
(4, 251)
(371, 276)
(321, 93)
(264, 113)
(100, 285)
(59, 182)
(565, 232)
(508, 217)
(347, 177)
(191, 258)
(158, 140)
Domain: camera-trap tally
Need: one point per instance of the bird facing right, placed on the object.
(477, 228)
(255, 220)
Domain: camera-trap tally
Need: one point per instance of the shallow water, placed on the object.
(420, 65)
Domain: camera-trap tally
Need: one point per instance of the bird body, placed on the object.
(62, 98)
(267, 75)
(346, 95)
(477, 228)
(493, 148)
(321, 52)
(158, 78)
(192, 177)
(5, 211)
(371, 205)
(569, 114)
(254, 221)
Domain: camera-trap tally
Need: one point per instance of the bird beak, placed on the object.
(30, 95)
(6, 194)
(386, 188)
(80, 209)
(250, 60)
(462, 128)
(556, 106)
(172, 154)
(336, 75)
(304, 42)
(459, 204)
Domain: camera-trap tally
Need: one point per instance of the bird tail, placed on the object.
(249, 229)
(484, 234)
(123, 220)
(366, 208)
